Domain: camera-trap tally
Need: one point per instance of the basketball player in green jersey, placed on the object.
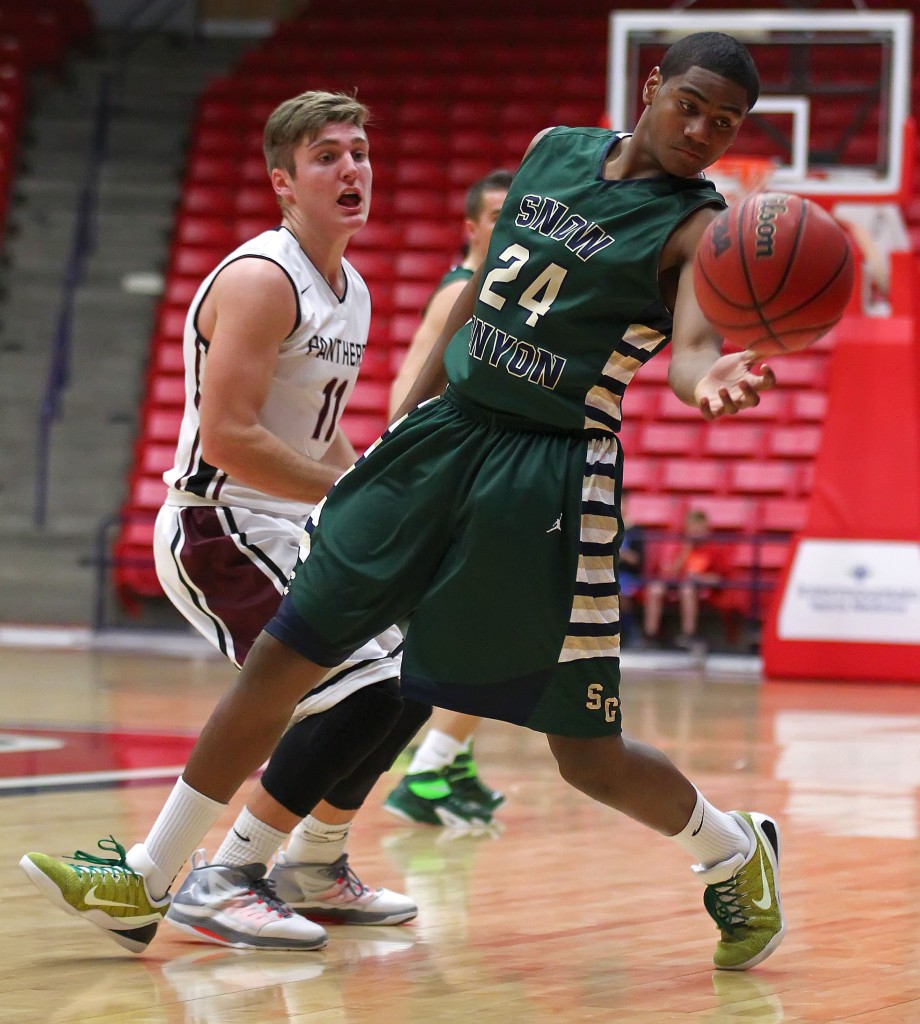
(489, 514)
(442, 784)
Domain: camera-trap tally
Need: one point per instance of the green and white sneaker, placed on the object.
(742, 897)
(463, 776)
(427, 798)
(101, 890)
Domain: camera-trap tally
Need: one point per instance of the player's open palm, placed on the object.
(732, 385)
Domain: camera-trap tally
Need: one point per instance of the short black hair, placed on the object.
(716, 52)
(494, 181)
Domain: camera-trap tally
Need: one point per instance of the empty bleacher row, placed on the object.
(457, 103)
(34, 39)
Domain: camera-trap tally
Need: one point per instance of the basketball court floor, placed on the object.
(567, 913)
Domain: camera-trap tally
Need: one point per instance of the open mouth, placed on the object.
(350, 200)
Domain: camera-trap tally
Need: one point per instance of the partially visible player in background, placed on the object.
(442, 784)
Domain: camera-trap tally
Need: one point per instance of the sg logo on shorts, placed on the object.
(597, 702)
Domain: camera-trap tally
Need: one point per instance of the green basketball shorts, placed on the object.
(497, 542)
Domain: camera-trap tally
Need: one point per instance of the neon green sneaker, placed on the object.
(428, 799)
(742, 897)
(463, 776)
(103, 891)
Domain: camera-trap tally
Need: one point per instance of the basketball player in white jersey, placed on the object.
(273, 343)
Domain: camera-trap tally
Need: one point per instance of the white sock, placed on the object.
(315, 842)
(712, 836)
(180, 827)
(249, 841)
(437, 751)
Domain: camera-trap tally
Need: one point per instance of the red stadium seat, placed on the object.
(255, 201)
(167, 390)
(192, 261)
(362, 429)
(702, 476)
(161, 424)
(180, 291)
(670, 407)
(442, 238)
(732, 438)
(801, 370)
(209, 167)
(808, 406)
(656, 511)
(639, 403)
(411, 296)
(763, 477)
(783, 515)
(146, 492)
(800, 441)
(154, 459)
(419, 202)
(213, 232)
(728, 513)
(773, 407)
(422, 266)
(373, 265)
(640, 474)
(171, 322)
(655, 371)
(167, 356)
(414, 172)
(669, 438)
(217, 200)
(379, 236)
(464, 172)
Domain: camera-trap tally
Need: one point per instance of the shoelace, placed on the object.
(112, 865)
(725, 906)
(264, 890)
(350, 880)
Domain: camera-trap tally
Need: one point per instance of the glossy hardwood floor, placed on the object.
(569, 914)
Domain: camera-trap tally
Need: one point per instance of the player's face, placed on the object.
(479, 230)
(331, 184)
(695, 118)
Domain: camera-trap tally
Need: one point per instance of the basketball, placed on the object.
(773, 273)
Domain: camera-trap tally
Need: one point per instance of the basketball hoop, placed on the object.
(738, 176)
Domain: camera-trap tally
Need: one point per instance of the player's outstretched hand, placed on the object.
(732, 385)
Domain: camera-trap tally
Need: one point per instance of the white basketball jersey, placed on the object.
(317, 367)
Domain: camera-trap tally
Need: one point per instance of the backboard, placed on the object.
(835, 91)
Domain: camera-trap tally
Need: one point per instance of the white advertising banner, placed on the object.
(862, 591)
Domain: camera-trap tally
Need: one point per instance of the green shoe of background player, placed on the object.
(429, 799)
(742, 897)
(101, 890)
(463, 776)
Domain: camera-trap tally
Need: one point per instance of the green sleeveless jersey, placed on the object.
(569, 306)
(456, 273)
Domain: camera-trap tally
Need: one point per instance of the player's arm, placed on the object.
(432, 378)
(423, 341)
(699, 375)
(250, 310)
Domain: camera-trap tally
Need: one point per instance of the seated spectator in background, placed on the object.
(630, 570)
(693, 570)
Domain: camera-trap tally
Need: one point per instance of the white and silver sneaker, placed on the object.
(238, 906)
(333, 892)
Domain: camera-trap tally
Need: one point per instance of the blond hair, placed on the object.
(303, 117)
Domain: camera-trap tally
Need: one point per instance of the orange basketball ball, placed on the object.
(773, 273)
